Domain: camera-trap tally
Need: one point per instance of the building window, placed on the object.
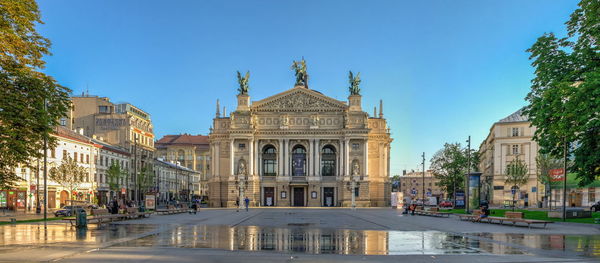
(299, 161)
(87, 158)
(515, 149)
(75, 157)
(53, 153)
(355, 146)
(269, 157)
(242, 146)
(328, 161)
(515, 132)
(81, 158)
(592, 194)
(103, 109)
(356, 191)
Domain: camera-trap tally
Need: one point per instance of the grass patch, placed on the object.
(32, 220)
(537, 215)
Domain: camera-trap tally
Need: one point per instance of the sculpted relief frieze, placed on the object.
(299, 102)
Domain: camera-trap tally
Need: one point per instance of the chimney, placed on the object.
(218, 114)
(224, 111)
(381, 109)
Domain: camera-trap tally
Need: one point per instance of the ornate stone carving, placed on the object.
(300, 101)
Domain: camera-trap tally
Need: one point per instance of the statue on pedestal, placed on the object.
(243, 81)
(299, 68)
(354, 83)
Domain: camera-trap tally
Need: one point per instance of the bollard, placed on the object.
(81, 219)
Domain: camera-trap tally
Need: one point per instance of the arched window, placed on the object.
(328, 161)
(269, 157)
(299, 161)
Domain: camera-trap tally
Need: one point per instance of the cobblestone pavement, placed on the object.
(307, 235)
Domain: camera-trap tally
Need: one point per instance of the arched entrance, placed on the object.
(64, 196)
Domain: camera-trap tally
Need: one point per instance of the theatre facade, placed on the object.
(299, 148)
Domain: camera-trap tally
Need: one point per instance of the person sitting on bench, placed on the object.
(485, 212)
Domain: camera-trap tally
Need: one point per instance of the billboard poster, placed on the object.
(298, 161)
(557, 175)
(474, 184)
(460, 199)
(150, 202)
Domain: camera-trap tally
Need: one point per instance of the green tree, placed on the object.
(564, 100)
(115, 175)
(31, 103)
(449, 166)
(68, 174)
(545, 163)
(516, 175)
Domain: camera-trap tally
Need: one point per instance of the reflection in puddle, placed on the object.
(301, 240)
(64, 235)
(335, 241)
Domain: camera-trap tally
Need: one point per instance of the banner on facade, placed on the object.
(298, 160)
(150, 202)
(557, 175)
(123, 190)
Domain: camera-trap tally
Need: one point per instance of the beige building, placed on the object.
(411, 185)
(174, 181)
(300, 148)
(118, 124)
(191, 151)
(509, 138)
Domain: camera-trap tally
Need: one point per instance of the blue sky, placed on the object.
(445, 69)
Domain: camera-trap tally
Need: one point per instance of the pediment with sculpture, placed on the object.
(299, 99)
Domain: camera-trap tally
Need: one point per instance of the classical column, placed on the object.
(286, 159)
(251, 157)
(311, 153)
(346, 157)
(231, 158)
(340, 158)
(257, 156)
(366, 156)
(317, 158)
(280, 158)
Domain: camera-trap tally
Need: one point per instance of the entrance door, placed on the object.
(64, 196)
(328, 196)
(298, 196)
(51, 199)
(269, 193)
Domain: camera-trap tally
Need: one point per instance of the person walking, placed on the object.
(194, 208)
(247, 202)
(237, 204)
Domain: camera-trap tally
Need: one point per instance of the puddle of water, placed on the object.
(300, 239)
(65, 235)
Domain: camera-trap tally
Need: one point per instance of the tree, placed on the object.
(564, 101)
(31, 103)
(516, 175)
(449, 166)
(544, 164)
(115, 175)
(68, 174)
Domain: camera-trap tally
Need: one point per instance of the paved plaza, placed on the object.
(305, 235)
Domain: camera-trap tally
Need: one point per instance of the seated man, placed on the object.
(485, 212)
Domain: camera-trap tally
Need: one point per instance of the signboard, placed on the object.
(123, 190)
(150, 202)
(460, 199)
(557, 175)
(111, 124)
(398, 200)
(474, 188)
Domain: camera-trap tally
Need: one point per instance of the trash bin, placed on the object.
(81, 219)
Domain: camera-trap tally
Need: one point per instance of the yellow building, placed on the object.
(122, 124)
(300, 148)
(411, 185)
(509, 138)
(191, 151)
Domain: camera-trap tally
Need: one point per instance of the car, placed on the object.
(68, 210)
(595, 207)
(445, 203)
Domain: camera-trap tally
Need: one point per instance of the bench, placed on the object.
(133, 212)
(471, 217)
(433, 211)
(171, 209)
(514, 218)
(97, 216)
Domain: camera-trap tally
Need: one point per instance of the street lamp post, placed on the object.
(423, 179)
(468, 174)
(353, 184)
